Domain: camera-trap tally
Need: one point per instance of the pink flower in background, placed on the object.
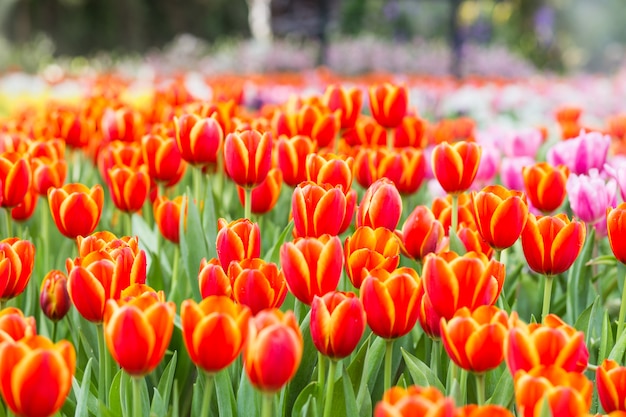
(522, 143)
(616, 168)
(488, 167)
(511, 171)
(581, 154)
(590, 195)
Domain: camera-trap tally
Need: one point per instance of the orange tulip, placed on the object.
(54, 299)
(265, 195)
(17, 259)
(312, 266)
(545, 185)
(337, 323)
(213, 280)
(381, 206)
(319, 210)
(551, 244)
(257, 284)
(317, 123)
(553, 343)
(199, 139)
(348, 100)
(237, 240)
(455, 166)
(274, 349)
(26, 208)
(118, 154)
(388, 104)
(616, 229)
(129, 188)
(405, 167)
(138, 331)
(421, 233)
(329, 169)
(391, 301)
(414, 401)
(411, 132)
(14, 326)
(473, 410)
(368, 249)
(36, 375)
(208, 325)
(48, 173)
(611, 384)
(248, 157)
(473, 242)
(568, 393)
(292, 155)
(107, 242)
(76, 209)
(367, 133)
(500, 214)
(123, 124)
(167, 216)
(474, 340)
(442, 209)
(15, 179)
(161, 155)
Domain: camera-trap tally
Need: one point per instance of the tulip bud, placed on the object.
(54, 298)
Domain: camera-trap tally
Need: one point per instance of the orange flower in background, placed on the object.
(312, 266)
(257, 284)
(455, 166)
(553, 343)
(213, 280)
(199, 139)
(274, 349)
(14, 325)
(319, 210)
(164, 161)
(129, 188)
(167, 216)
(414, 401)
(568, 393)
(17, 259)
(207, 325)
(473, 410)
(391, 301)
(474, 340)
(123, 124)
(337, 323)
(472, 241)
(265, 195)
(388, 104)
(442, 209)
(118, 154)
(76, 209)
(500, 214)
(138, 331)
(292, 155)
(26, 208)
(405, 167)
(348, 100)
(551, 244)
(237, 240)
(411, 132)
(421, 233)
(48, 173)
(368, 249)
(366, 132)
(616, 229)
(15, 179)
(545, 185)
(317, 123)
(248, 157)
(329, 169)
(108, 242)
(36, 375)
(611, 385)
(53, 297)
(381, 206)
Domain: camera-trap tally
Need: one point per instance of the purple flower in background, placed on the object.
(511, 171)
(617, 170)
(522, 143)
(590, 195)
(581, 154)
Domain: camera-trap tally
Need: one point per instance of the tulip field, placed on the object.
(308, 245)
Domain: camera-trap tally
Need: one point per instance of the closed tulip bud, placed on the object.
(551, 244)
(213, 280)
(76, 209)
(54, 299)
(15, 179)
(368, 249)
(14, 326)
(161, 155)
(237, 240)
(208, 325)
(329, 169)
(17, 259)
(274, 349)
(265, 195)
(292, 155)
(391, 301)
(199, 139)
(257, 284)
(611, 384)
(36, 375)
(381, 206)
(455, 166)
(248, 157)
(319, 210)
(129, 188)
(414, 401)
(48, 172)
(167, 216)
(348, 100)
(616, 228)
(421, 233)
(312, 266)
(388, 104)
(545, 185)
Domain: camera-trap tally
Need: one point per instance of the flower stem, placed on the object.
(128, 224)
(388, 357)
(103, 366)
(547, 296)
(434, 357)
(330, 386)
(54, 331)
(247, 204)
(621, 273)
(209, 382)
(320, 369)
(454, 222)
(480, 388)
(268, 399)
(137, 397)
(7, 212)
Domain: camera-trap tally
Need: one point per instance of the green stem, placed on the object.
(388, 357)
(547, 296)
(54, 331)
(455, 213)
(621, 273)
(434, 357)
(328, 401)
(268, 399)
(137, 412)
(103, 366)
(175, 285)
(497, 253)
(45, 235)
(247, 206)
(209, 382)
(128, 224)
(7, 212)
(320, 369)
(480, 388)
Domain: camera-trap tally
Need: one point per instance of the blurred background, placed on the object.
(438, 37)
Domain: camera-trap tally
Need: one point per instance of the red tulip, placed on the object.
(421, 233)
(368, 249)
(381, 206)
(455, 166)
(265, 195)
(199, 139)
(15, 179)
(329, 169)
(292, 155)
(54, 299)
(48, 172)
(213, 280)
(15, 326)
(129, 188)
(348, 100)
(611, 384)
(257, 284)
(388, 104)
(616, 228)
(161, 155)
(545, 185)
(17, 259)
(167, 216)
(248, 157)
(237, 240)
(76, 209)
(414, 401)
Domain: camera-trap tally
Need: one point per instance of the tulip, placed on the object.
(264, 196)
(388, 104)
(248, 157)
(329, 169)
(36, 375)
(107, 242)
(616, 230)
(274, 349)
(545, 185)
(213, 280)
(581, 154)
(456, 165)
(123, 124)
(414, 401)
(381, 206)
(26, 208)
(366, 132)
(500, 215)
(442, 209)
(590, 195)
(473, 410)
(317, 123)
(410, 133)
(198, 139)
(129, 188)
(76, 209)
(405, 167)
(552, 343)
(312, 266)
(368, 249)
(257, 284)
(522, 143)
(292, 155)
(237, 240)
(161, 155)
(119, 154)
(48, 173)
(54, 299)
(473, 242)
(15, 179)
(348, 100)
(15, 326)
(611, 384)
(167, 216)
(17, 259)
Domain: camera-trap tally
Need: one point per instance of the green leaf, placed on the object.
(115, 399)
(371, 368)
(503, 393)
(82, 394)
(226, 403)
(456, 245)
(167, 379)
(606, 339)
(349, 398)
(209, 219)
(594, 328)
(248, 400)
(273, 255)
(158, 407)
(609, 260)
(147, 235)
(579, 288)
(193, 245)
(305, 371)
(617, 353)
(421, 374)
(309, 392)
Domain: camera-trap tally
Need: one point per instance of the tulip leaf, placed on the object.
(147, 235)
(421, 374)
(226, 403)
(456, 245)
(248, 400)
(371, 367)
(617, 353)
(594, 328)
(305, 370)
(310, 392)
(209, 219)
(167, 379)
(503, 393)
(579, 288)
(273, 254)
(158, 407)
(82, 394)
(196, 402)
(606, 339)
(348, 392)
(609, 260)
(193, 245)
(115, 399)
